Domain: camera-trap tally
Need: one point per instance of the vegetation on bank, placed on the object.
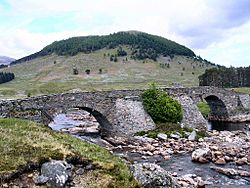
(6, 77)
(204, 109)
(24, 143)
(161, 107)
(226, 77)
(143, 46)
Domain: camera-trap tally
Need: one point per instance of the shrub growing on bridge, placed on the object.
(160, 106)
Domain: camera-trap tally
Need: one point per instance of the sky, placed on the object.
(217, 30)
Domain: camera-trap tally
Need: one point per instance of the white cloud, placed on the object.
(233, 50)
(207, 26)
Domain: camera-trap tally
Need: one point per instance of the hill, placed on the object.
(103, 69)
(6, 60)
(143, 46)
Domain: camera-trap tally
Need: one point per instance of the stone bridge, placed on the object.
(122, 110)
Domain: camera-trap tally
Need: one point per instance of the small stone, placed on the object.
(156, 152)
(166, 157)
(149, 153)
(203, 160)
(149, 147)
(201, 183)
(80, 171)
(40, 180)
(227, 158)
(201, 140)
(183, 183)
(162, 136)
(30, 175)
(244, 173)
(5, 185)
(220, 161)
(241, 161)
(177, 135)
(174, 174)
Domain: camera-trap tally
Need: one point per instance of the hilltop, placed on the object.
(142, 45)
(6, 60)
(112, 62)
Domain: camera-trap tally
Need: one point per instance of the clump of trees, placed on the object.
(160, 106)
(6, 77)
(226, 77)
(121, 52)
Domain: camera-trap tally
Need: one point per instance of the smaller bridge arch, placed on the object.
(217, 106)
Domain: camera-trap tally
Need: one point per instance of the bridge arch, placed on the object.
(217, 106)
(105, 124)
(48, 116)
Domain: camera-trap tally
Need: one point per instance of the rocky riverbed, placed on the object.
(222, 159)
(193, 162)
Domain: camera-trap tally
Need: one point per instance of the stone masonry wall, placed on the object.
(192, 117)
(131, 117)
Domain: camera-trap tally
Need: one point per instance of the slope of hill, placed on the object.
(6, 60)
(54, 74)
(142, 45)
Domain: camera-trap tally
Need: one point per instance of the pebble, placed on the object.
(220, 161)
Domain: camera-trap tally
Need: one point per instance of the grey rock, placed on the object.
(203, 155)
(162, 136)
(175, 135)
(192, 136)
(153, 176)
(144, 139)
(40, 180)
(54, 173)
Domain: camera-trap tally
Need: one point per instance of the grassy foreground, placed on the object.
(24, 142)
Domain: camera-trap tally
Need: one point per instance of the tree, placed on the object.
(75, 71)
(87, 71)
(6, 77)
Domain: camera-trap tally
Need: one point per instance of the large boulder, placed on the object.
(54, 173)
(153, 176)
(203, 155)
(192, 136)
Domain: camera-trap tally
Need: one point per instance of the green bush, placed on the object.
(161, 107)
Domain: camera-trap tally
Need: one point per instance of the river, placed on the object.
(73, 123)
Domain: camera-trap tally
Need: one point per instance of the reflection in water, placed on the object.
(228, 126)
(78, 123)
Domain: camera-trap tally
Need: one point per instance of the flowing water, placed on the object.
(181, 164)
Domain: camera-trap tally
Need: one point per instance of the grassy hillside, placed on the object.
(54, 74)
(24, 143)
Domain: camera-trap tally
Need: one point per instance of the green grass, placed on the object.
(242, 89)
(204, 109)
(24, 142)
(42, 76)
